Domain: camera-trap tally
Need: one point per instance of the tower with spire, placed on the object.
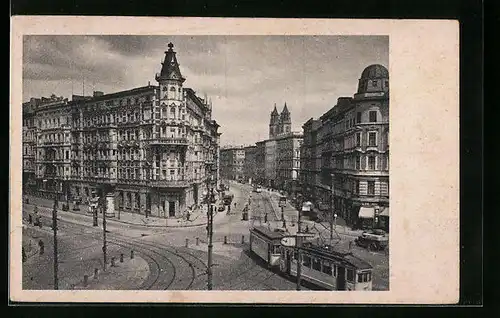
(280, 123)
(274, 123)
(285, 120)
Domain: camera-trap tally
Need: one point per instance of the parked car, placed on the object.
(374, 239)
(221, 208)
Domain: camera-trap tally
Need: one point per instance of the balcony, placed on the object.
(169, 183)
(128, 143)
(180, 141)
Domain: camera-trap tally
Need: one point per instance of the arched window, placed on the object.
(172, 88)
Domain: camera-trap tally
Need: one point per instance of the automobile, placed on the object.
(374, 239)
(221, 208)
(258, 189)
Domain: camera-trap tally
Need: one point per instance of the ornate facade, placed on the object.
(153, 147)
(354, 140)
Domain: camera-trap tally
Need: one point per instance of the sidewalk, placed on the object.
(198, 217)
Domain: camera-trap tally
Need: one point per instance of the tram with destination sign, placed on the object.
(326, 267)
(266, 244)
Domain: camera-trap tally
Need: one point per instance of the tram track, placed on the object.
(159, 263)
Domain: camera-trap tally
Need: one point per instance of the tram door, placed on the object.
(341, 278)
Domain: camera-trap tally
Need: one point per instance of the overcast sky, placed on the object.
(244, 75)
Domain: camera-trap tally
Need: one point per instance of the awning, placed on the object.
(366, 213)
(384, 212)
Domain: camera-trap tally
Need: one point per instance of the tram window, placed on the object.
(316, 264)
(307, 261)
(350, 275)
(364, 277)
(327, 269)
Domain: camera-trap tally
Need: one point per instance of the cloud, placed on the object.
(244, 75)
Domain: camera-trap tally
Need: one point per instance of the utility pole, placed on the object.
(104, 246)
(298, 243)
(54, 228)
(332, 219)
(210, 236)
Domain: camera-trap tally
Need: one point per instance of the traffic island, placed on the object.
(127, 275)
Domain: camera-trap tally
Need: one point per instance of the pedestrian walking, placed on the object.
(350, 245)
(265, 218)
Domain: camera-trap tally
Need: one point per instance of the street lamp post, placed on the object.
(299, 244)
(210, 198)
(56, 262)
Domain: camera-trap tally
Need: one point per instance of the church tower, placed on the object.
(285, 121)
(274, 123)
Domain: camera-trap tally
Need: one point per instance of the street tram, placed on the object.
(326, 267)
(266, 244)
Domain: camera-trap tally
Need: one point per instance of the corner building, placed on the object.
(352, 140)
(154, 148)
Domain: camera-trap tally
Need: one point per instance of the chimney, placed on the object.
(98, 93)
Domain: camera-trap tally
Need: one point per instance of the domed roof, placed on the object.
(375, 71)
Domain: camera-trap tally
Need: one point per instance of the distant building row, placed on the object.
(273, 162)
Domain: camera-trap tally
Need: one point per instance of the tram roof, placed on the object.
(268, 233)
(328, 251)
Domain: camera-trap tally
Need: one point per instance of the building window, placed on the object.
(371, 187)
(356, 186)
(172, 88)
(371, 162)
(358, 117)
(373, 116)
(374, 83)
(358, 139)
(357, 164)
(372, 139)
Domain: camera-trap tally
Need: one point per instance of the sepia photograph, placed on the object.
(235, 163)
(206, 162)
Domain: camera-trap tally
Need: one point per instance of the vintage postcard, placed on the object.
(209, 160)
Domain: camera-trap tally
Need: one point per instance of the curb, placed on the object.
(129, 223)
